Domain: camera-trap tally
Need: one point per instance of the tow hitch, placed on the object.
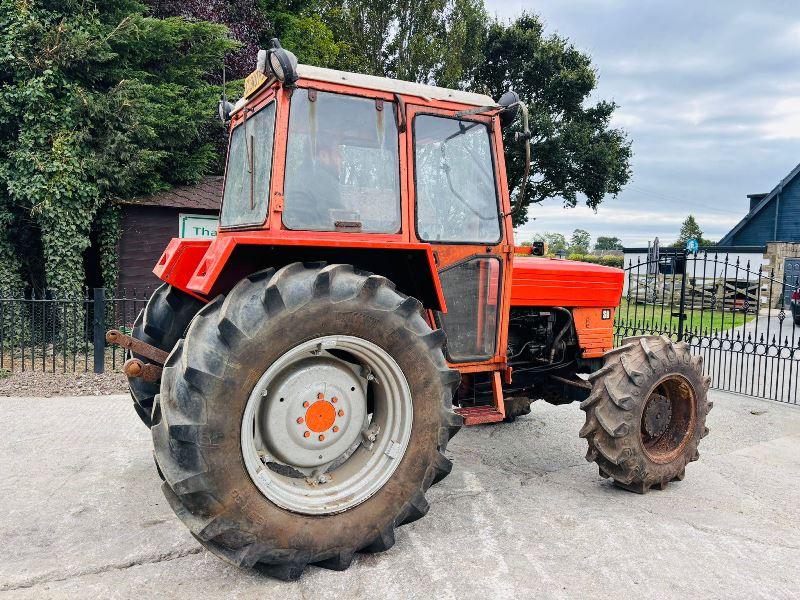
(135, 367)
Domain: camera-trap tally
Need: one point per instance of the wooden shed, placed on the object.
(149, 223)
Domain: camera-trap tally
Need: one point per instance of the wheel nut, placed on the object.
(321, 438)
(334, 399)
(320, 396)
(307, 434)
(306, 404)
(299, 419)
(335, 429)
(341, 413)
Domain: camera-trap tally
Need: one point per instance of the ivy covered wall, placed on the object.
(98, 100)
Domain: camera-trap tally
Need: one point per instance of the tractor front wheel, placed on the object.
(303, 418)
(646, 413)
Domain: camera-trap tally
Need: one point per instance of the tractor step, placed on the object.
(478, 415)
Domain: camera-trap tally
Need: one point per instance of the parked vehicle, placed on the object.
(794, 304)
(363, 300)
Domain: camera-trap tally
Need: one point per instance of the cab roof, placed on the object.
(396, 86)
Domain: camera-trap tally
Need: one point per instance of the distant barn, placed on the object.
(773, 217)
(774, 222)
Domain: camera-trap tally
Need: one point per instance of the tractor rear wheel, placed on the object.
(303, 418)
(646, 413)
(161, 324)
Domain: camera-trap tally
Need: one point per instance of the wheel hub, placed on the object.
(657, 415)
(308, 442)
(668, 419)
(320, 416)
(300, 427)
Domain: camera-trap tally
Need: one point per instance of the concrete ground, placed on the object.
(522, 515)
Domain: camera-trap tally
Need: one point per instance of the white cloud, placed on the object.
(709, 92)
(783, 121)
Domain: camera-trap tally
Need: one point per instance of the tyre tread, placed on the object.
(194, 370)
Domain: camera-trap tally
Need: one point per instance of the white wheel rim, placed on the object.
(306, 431)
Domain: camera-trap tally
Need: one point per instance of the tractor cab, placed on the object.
(398, 178)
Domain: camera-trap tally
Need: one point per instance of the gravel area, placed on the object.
(32, 383)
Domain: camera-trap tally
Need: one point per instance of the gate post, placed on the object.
(99, 335)
(682, 306)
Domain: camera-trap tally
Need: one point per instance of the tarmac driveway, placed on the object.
(522, 515)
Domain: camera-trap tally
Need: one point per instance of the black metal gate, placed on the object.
(737, 316)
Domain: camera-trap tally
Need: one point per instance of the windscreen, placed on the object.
(342, 169)
(456, 194)
(247, 175)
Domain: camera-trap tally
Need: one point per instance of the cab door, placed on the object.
(459, 201)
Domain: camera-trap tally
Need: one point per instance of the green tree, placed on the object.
(430, 42)
(576, 151)
(97, 101)
(556, 242)
(604, 243)
(580, 241)
(690, 230)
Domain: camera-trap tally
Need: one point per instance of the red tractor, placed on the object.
(362, 301)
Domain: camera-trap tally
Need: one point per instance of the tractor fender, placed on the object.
(179, 261)
(206, 268)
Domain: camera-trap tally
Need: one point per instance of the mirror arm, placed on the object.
(479, 110)
(525, 137)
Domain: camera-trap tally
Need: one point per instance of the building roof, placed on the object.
(760, 206)
(703, 249)
(206, 195)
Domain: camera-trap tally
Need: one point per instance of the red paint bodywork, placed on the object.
(583, 287)
(195, 266)
(556, 282)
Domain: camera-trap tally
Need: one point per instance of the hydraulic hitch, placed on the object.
(135, 367)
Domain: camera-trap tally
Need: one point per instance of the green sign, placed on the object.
(197, 226)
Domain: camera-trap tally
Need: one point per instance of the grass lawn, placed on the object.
(651, 316)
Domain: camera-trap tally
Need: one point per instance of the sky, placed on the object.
(709, 93)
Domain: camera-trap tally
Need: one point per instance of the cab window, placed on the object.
(247, 176)
(455, 184)
(342, 169)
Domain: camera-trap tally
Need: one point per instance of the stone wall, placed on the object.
(776, 253)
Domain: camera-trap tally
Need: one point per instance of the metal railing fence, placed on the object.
(65, 334)
(737, 316)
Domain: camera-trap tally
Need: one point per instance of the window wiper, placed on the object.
(250, 148)
(252, 160)
(446, 169)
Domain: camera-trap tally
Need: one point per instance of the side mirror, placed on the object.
(510, 103)
(225, 109)
(282, 63)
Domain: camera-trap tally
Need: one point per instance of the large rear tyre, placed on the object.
(303, 418)
(161, 324)
(646, 413)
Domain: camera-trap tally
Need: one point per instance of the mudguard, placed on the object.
(206, 268)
